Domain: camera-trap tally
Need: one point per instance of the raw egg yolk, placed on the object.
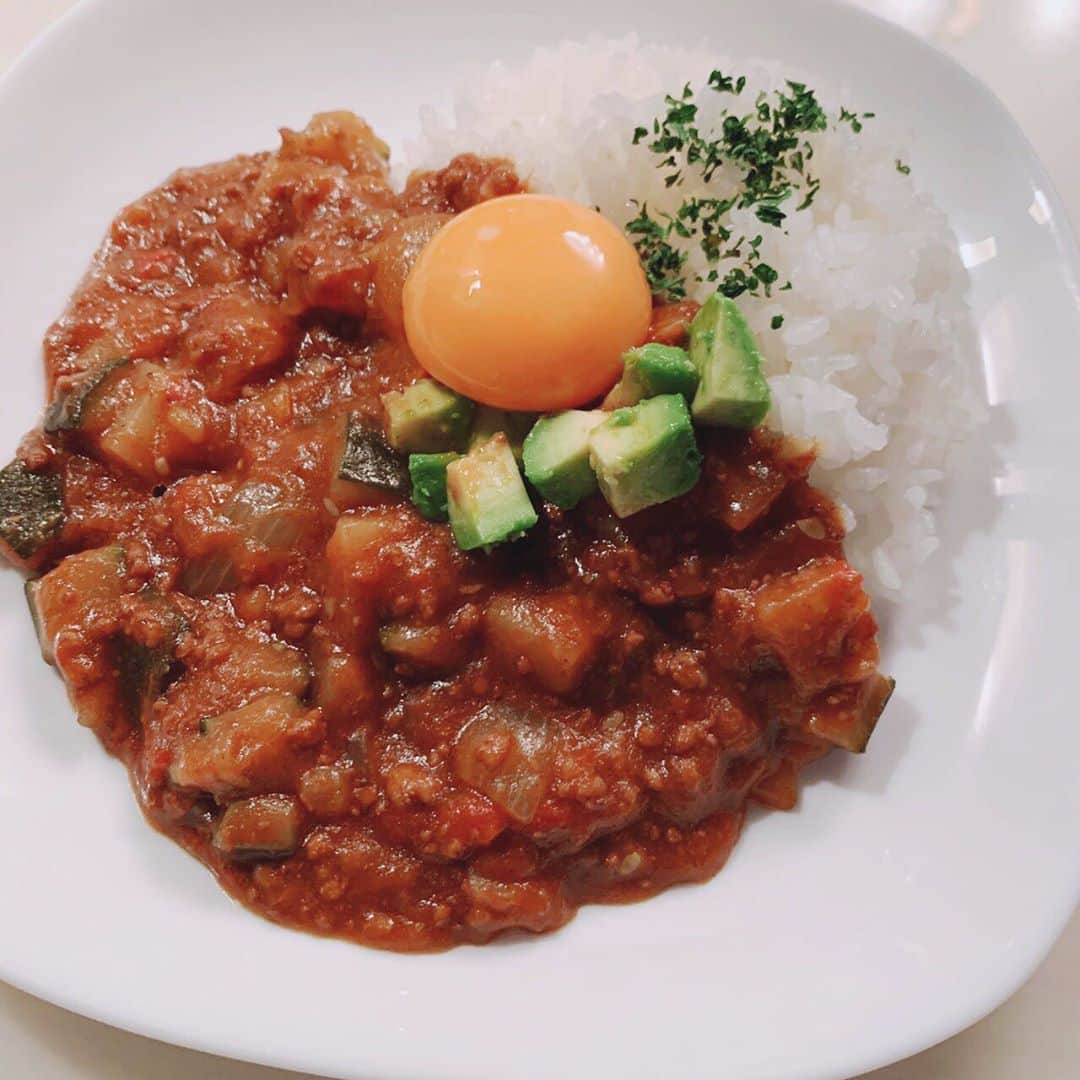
(527, 302)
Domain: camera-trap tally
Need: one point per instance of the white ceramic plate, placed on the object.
(915, 889)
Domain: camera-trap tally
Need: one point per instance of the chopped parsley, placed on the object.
(769, 149)
(902, 168)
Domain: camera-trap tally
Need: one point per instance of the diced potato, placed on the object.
(806, 617)
(359, 541)
(551, 635)
(234, 340)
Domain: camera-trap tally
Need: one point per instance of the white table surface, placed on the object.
(1029, 53)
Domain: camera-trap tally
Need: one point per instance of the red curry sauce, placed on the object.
(362, 730)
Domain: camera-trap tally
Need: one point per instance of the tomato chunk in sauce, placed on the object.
(362, 730)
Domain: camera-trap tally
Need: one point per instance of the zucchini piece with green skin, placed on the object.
(260, 828)
(142, 668)
(31, 509)
(72, 407)
(556, 457)
(67, 604)
(846, 716)
(486, 496)
(651, 370)
(368, 470)
(514, 425)
(646, 454)
(428, 474)
(733, 391)
(427, 418)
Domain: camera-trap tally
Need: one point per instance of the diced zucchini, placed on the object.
(254, 747)
(486, 497)
(67, 605)
(645, 454)
(358, 751)
(651, 370)
(557, 456)
(72, 407)
(846, 717)
(260, 828)
(733, 391)
(489, 421)
(427, 418)
(428, 474)
(142, 667)
(368, 470)
(428, 649)
(31, 509)
(70, 595)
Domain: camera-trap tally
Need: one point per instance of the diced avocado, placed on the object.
(486, 497)
(31, 509)
(488, 421)
(733, 392)
(71, 407)
(367, 469)
(556, 456)
(427, 418)
(651, 370)
(428, 473)
(645, 454)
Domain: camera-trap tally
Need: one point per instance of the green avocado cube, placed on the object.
(488, 421)
(556, 456)
(651, 370)
(428, 475)
(645, 454)
(733, 391)
(427, 418)
(486, 496)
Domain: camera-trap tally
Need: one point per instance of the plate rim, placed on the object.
(996, 992)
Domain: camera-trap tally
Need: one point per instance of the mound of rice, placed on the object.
(873, 360)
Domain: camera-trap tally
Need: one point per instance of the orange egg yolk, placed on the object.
(527, 302)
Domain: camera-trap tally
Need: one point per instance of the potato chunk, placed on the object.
(553, 636)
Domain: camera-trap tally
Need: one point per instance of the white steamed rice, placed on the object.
(873, 361)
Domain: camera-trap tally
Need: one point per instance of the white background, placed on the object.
(1028, 51)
